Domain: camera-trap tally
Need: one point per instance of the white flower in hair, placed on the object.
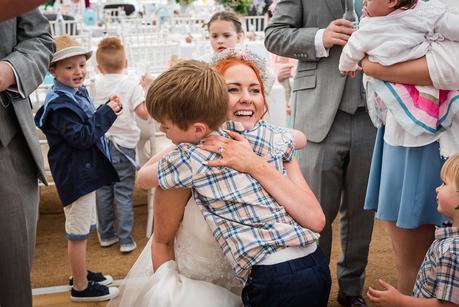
(266, 76)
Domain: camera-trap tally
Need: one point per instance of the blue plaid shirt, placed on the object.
(438, 276)
(245, 220)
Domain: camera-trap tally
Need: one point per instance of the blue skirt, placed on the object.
(402, 182)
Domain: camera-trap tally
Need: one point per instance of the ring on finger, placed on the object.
(220, 150)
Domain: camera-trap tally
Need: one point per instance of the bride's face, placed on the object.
(246, 102)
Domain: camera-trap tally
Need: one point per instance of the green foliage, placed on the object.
(184, 2)
(239, 6)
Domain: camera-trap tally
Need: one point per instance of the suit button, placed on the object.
(87, 165)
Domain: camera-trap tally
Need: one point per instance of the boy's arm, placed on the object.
(160, 155)
(390, 297)
(299, 138)
(168, 209)
(82, 134)
(138, 102)
(141, 111)
(147, 176)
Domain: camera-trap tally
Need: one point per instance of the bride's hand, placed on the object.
(235, 153)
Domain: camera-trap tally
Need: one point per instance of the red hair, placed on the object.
(226, 63)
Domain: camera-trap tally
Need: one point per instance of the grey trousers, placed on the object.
(19, 199)
(337, 170)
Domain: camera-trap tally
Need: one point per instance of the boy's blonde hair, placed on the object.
(110, 54)
(450, 170)
(187, 93)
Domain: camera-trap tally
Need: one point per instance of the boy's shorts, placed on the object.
(80, 217)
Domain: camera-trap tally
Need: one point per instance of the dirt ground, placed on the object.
(51, 267)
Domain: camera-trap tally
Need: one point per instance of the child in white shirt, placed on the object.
(123, 137)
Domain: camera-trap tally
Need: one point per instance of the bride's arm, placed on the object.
(291, 191)
(409, 72)
(168, 209)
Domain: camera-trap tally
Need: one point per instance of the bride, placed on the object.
(200, 275)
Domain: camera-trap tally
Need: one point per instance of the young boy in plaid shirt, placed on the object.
(437, 283)
(253, 230)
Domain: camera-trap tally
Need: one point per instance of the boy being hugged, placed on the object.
(79, 159)
(190, 100)
(437, 280)
(123, 137)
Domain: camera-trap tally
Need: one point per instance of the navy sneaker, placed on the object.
(94, 293)
(97, 277)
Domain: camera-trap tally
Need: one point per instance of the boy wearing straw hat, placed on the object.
(78, 158)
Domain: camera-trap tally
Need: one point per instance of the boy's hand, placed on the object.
(387, 297)
(145, 82)
(115, 104)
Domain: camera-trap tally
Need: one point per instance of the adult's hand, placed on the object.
(7, 77)
(235, 153)
(337, 33)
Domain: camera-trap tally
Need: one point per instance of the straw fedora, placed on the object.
(67, 47)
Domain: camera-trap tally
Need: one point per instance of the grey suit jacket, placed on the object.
(26, 44)
(318, 86)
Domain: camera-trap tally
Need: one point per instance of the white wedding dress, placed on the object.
(200, 276)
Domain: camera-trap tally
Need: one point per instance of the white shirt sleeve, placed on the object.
(16, 87)
(352, 53)
(321, 51)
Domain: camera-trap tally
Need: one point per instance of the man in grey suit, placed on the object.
(26, 48)
(330, 109)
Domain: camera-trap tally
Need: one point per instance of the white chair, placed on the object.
(255, 23)
(113, 14)
(187, 24)
(61, 27)
(148, 56)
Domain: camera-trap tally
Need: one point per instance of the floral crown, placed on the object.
(249, 56)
